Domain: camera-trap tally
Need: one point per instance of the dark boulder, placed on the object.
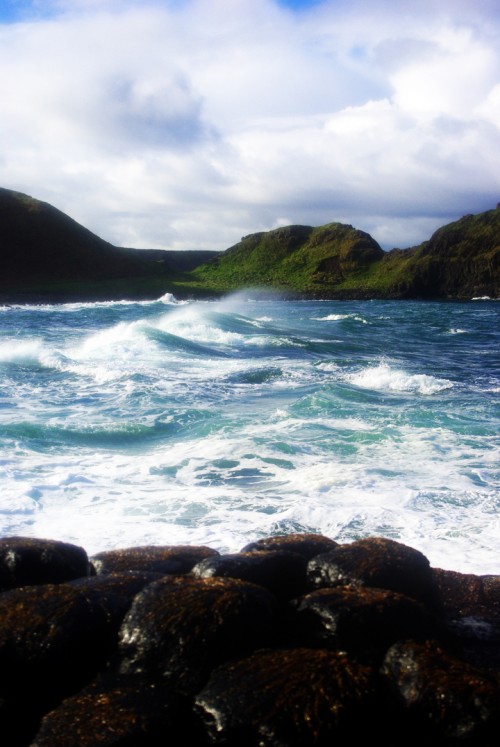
(25, 562)
(283, 573)
(290, 698)
(360, 620)
(114, 593)
(168, 559)
(470, 608)
(118, 712)
(446, 700)
(308, 545)
(179, 628)
(53, 640)
(378, 562)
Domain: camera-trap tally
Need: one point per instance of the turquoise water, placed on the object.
(220, 422)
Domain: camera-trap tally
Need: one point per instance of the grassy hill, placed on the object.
(461, 260)
(45, 255)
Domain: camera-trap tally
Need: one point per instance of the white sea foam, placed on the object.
(152, 439)
(385, 378)
(18, 351)
(339, 317)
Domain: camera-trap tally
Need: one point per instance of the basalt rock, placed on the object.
(470, 608)
(308, 545)
(283, 573)
(169, 559)
(179, 629)
(114, 594)
(53, 638)
(386, 649)
(25, 561)
(119, 712)
(377, 562)
(446, 700)
(290, 698)
(360, 620)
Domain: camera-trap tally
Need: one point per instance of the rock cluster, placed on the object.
(294, 641)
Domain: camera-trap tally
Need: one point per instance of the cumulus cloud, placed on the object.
(188, 123)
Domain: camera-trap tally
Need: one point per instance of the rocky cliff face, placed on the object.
(460, 259)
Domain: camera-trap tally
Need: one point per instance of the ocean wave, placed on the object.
(21, 352)
(339, 318)
(385, 378)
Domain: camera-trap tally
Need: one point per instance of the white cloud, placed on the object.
(188, 124)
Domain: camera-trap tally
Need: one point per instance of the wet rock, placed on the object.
(118, 712)
(168, 559)
(377, 562)
(25, 561)
(458, 594)
(179, 628)
(53, 639)
(290, 698)
(360, 620)
(114, 593)
(470, 607)
(283, 573)
(308, 545)
(446, 700)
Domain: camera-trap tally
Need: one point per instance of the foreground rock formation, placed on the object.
(294, 641)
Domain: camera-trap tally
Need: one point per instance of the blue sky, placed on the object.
(12, 11)
(189, 123)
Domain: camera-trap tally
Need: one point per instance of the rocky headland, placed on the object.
(46, 257)
(294, 641)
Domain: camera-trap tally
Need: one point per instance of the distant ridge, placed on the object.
(46, 255)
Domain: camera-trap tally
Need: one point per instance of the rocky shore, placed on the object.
(294, 641)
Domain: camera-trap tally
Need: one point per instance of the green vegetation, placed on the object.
(45, 255)
(461, 260)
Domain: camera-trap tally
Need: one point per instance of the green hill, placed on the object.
(461, 260)
(45, 255)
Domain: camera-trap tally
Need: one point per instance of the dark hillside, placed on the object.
(44, 252)
(461, 259)
(37, 240)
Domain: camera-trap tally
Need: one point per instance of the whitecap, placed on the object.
(21, 352)
(385, 378)
(339, 317)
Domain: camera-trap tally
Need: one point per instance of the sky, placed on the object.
(187, 124)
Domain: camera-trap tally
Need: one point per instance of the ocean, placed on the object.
(220, 422)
